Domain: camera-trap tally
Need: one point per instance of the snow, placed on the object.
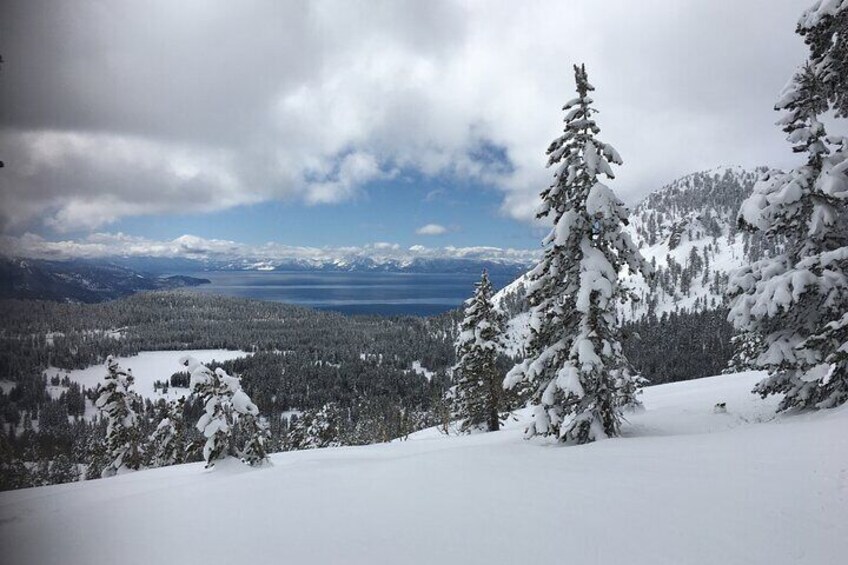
(242, 403)
(148, 367)
(822, 8)
(420, 369)
(685, 485)
(515, 334)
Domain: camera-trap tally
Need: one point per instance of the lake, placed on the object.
(385, 294)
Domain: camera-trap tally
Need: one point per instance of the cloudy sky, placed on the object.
(349, 123)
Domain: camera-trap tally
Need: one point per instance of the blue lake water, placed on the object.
(386, 294)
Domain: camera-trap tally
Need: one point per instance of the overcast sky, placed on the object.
(159, 118)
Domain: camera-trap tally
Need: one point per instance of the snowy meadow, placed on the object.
(147, 367)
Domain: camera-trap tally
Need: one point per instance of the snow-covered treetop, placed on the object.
(118, 382)
(481, 325)
(820, 10)
(804, 101)
(579, 155)
(825, 29)
(806, 202)
(203, 376)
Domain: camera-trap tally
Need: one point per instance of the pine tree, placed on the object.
(168, 438)
(63, 470)
(224, 403)
(581, 380)
(13, 472)
(747, 346)
(316, 429)
(796, 299)
(478, 390)
(824, 27)
(96, 454)
(256, 430)
(116, 402)
(215, 422)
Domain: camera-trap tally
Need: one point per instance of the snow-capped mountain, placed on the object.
(363, 263)
(189, 253)
(687, 230)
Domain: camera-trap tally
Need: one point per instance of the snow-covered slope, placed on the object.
(685, 485)
(687, 230)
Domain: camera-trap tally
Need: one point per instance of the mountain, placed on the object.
(687, 230)
(351, 263)
(685, 485)
(80, 281)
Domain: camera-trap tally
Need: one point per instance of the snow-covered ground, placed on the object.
(516, 335)
(420, 369)
(147, 368)
(686, 485)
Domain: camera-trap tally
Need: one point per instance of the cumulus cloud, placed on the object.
(432, 229)
(102, 245)
(122, 109)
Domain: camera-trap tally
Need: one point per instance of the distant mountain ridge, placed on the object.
(366, 264)
(80, 281)
(687, 229)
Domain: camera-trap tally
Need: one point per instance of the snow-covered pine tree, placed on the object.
(796, 300)
(96, 455)
(580, 377)
(115, 401)
(214, 423)
(224, 402)
(747, 346)
(824, 27)
(255, 428)
(479, 388)
(62, 470)
(317, 429)
(168, 439)
(13, 471)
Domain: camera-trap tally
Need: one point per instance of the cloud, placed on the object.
(126, 109)
(432, 229)
(102, 245)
